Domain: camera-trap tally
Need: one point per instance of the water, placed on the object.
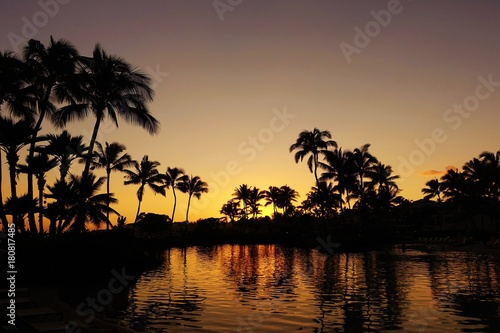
(267, 288)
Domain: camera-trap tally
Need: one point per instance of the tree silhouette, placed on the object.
(313, 143)
(49, 67)
(242, 193)
(111, 159)
(39, 165)
(362, 162)
(173, 178)
(193, 186)
(107, 87)
(231, 209)
(145, 174)
(433, 190)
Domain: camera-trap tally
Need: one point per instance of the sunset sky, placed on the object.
(237, 81)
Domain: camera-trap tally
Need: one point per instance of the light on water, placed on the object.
(268, 288)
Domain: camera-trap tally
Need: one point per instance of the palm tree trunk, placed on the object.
(175, 203)
(137, 214)
(315, 157)
(31, 154)
(187, 211)
(91, 147)
(108, 171)
(12, 161)
(41, 185)
(5, 223)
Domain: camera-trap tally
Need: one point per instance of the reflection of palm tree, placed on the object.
(39, 165)
(86, 204)
(174, 177)
(193, 186)
(13, 137)
(110, 159)
(145, 173)
(314, 143)
(108, 87)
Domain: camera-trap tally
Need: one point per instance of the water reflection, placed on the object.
(267, 288)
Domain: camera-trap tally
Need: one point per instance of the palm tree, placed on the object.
(381, 176)
(61, 192)
(49, 67)
(272, 196)
(242, 193)
(287, 196)
(110, 158)
(86, 204)
(173, 178)
(362, 162)
(13, 137)
(107, 87)
(65, 148)
(145, 174)
(433, 190)
(231, 209)
(323, 200)
(15, 91)
(339, 166)
(18, 209)
(313, 143)
(193, 186)
(39, 165)
(253, 200)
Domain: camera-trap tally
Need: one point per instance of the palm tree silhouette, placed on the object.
(313, 143)
(111, 159)
(433, 190)
(381, 176)
(287, 196)
(65, 148)
(362, 162)
(107, 87)
(173, 178)
(242, 193)
(39, 165)
(13, 137)
(253, 201)
(193, 186)
(272, 196)
(86, 204)
(49, 67)
(61, 192)
(231, 209)
(145, 174)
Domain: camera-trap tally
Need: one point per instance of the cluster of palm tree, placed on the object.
(346, 177)
(55, 83)
(250, 197)
(475, 190)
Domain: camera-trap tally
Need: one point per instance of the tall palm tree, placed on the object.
(111, 159)
(362, 162)
(242, 193)
(65, 148)
(173, 178)
(253, 200)
(272, 196)
(13, 137)
(39, 165)
(106, 86)
(145, 174)
(193, 186)
(86, 203)
(339, 166)
(313, 143)
(49, 67)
